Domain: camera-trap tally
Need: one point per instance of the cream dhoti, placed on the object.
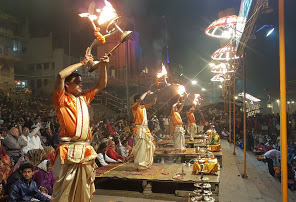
(144, 147)
(192, 129)
(74, 166)
(179, 138)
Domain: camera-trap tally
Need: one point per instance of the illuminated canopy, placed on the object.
(222, 28)
(249, 97)
(221, 68)
(220, 77)
(225, 53)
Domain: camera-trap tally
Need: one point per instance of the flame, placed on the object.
(107, 13)
(181, 90)
(162, 73)
(196, 99)
(83, 15)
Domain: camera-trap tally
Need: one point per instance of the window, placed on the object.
(17, 45)
(45, 82)
(46, 65)
(39, 83)
(30, 66)
(38, 66)
(32, 84)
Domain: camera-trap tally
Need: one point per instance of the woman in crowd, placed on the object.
(103, 159)
(111, 152)
(44, 176)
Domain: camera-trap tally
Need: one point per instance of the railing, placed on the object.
(117, 104)
(111, 101)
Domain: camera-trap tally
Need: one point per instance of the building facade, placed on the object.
(41, 64)
(10, 51)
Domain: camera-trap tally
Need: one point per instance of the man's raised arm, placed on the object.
(59, 85)
(102, 82)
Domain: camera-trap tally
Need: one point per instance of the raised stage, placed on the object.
(157, 179)
(190, 153)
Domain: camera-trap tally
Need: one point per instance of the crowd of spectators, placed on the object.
(29, 136)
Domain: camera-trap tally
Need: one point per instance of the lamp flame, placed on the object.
(107, 13)
(181, 90)
(196, 99)
(83, 15)
(163, 72)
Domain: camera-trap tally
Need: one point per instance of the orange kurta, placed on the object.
(66, 110)
(176, 118)
(137, 111)
(190, 117)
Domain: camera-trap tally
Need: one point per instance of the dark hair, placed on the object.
(136, 97)
(26, 166)
(71, 76)
(102, 147)
(124, 141)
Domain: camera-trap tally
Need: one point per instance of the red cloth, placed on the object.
(112, 130)
(113, 155)
(3, 152)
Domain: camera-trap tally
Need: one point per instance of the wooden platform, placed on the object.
(188, 143)
(158, 179)
(199, 136)
(189, 154)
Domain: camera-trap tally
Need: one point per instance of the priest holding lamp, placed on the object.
(74, 166)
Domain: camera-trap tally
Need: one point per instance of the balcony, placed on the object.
(10, 55)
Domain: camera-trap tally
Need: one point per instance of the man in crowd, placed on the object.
(26, 189)
(14, 144)
(26, 138)
(179, 138)
(35, 137)
(192, 128)
(74, 167)
(144, 147)
(269, 157)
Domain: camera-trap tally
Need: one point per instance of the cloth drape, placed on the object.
(179, 138)
(74, 182)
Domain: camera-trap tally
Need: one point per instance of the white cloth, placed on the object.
(122, 151)
(274, 154)
(103, 161)
(200, 128)
(192, 128)
(28, 139)
(35, 142)
(179, 138)
(27, 148)
(165, 121)
(144, 148)
(43, 165)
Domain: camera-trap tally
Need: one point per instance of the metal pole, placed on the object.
(234, 114)
(229, 112)
(284, 170)
(245, 121)
(126, 83)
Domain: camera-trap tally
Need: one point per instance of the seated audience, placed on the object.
(111, 152)
(14, 144)
(44, 176)
(3, 151)
(26, 189)
(102, 158)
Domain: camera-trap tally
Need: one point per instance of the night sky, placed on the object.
(185, 20)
